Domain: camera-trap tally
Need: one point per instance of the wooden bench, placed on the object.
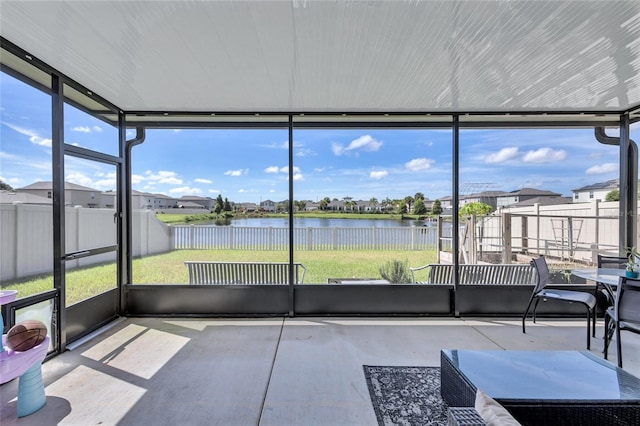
(250, 273)
(489, 274)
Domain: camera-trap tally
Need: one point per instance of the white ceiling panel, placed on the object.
(340, 56)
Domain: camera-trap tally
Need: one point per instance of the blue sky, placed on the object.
(251, 165)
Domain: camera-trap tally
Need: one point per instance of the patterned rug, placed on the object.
(406, 395)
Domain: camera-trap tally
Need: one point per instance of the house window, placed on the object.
(48, 194)
(591, 195)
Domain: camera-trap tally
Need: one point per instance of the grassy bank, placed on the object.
(168, 268)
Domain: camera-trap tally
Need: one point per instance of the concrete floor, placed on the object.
(300, 371)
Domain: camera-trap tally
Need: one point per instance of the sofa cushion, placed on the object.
(492, 412)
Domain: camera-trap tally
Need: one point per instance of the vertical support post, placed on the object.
(438, 238)
(455, 223)
(506, 238)
(524, 231)
(59, 250)
(291, 227)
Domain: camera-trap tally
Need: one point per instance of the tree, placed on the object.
(219, 204)
(419, 207)
(436, 208)
(408, 200)
(373, 203)
(5, 186)
(419, 195)
(475, 209)
(613, 195)
(227, 205)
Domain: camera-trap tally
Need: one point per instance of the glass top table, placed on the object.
(543, 387)
(545, 375)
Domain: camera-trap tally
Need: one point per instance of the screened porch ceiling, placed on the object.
(570, 60)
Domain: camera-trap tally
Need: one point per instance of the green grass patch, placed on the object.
(169, 268)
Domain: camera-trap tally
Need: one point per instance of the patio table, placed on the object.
(543, 387)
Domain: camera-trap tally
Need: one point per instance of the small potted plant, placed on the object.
(630, 266)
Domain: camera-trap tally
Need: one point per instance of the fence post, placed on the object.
(524, 231)
(438, 238)
(309, 238)
(506, 236)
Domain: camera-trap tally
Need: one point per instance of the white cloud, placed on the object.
(285, 169)
(544, 155)
(97, 129)
(602, 169)
(83, 129)
(137, 179)
(32, 134)
(11, 181)
(79, 179)
(239, 172)
(213, 191)
(505, 154)
(363, 143)
(419, 164)
(201, 180)
(297, 177)
(378, 174)
(185, 190)
(163, 176)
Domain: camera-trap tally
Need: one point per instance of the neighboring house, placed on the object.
(108, 199)
(247, 207)
(268, 205)
(11, 197)
(336, 205)
(521, 195)
(164, 202)
(312, 206)
(542, 201)
(190, 205)
(486, 197)
(142, 200)
(74, 194)
(205, 202)
(596, 191)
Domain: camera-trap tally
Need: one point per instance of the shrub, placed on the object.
(396, 272)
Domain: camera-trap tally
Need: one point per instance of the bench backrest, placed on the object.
(490, 274)
(209, 272)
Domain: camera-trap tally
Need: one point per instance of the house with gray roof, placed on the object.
(521, 195)
(11, 197)
(74, 194)
(596, 191)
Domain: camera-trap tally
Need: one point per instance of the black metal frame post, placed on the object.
(59, 251)
(291, 227)
(455, 223)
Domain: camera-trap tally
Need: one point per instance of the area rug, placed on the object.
(406, 395)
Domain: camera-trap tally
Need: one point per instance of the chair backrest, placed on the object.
(628, 300)
(542, 270)
(612, 262)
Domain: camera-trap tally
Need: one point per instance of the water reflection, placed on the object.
(308, 222)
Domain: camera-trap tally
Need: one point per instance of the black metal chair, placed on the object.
(540, 292)
(612, 262)
(623, 315)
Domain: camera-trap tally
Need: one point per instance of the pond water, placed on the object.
(309, 222)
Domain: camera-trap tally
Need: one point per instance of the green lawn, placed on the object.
(168, 268)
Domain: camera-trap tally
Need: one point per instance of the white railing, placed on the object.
(189, 237)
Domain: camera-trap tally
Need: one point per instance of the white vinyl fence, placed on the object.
(26, 237)
(277, 238)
